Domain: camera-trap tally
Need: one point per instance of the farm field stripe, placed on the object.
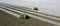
(14, 14)
(43, 19)
(31, 11)
(39, 15)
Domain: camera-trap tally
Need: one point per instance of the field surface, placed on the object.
(9, 20)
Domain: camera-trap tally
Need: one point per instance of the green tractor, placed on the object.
(35, 8)
(24, 16)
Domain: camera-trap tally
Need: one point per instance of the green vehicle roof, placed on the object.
(23, 16)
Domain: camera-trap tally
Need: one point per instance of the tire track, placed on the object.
(36, 14)
(46, 20)
(28, 10)
(14, 14)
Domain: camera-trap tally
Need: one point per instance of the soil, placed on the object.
(10, 20)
